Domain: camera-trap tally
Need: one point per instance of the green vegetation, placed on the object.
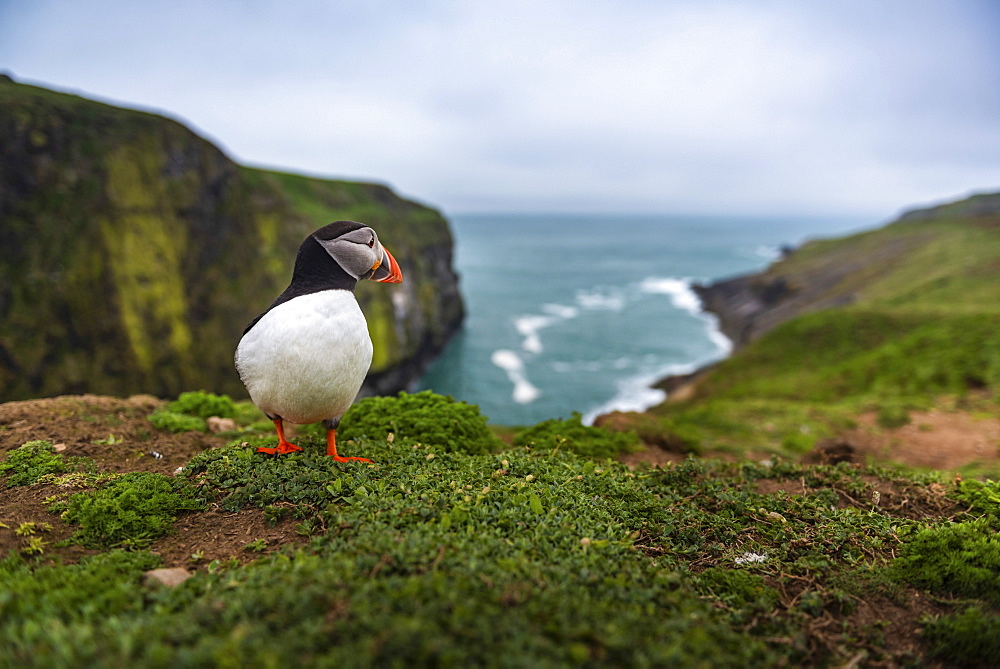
(967, 639)
(541, 553)
(422, 418)
(811, 377)
(131, 510)
(41, 603)
(188, 412)
(30, 462)
(980, 496)
(203, 404)
(177, 422)
(961, 559)
(573, 435)
(921, 330)
(833, 354)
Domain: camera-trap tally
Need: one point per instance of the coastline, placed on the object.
(652, 389)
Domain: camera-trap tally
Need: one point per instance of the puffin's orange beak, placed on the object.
(387, 270)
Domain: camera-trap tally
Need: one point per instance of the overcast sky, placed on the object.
(744, 106)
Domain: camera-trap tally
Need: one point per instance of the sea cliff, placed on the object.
(926, 257)
(135, 252)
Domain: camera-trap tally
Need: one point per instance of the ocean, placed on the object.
(583, 312)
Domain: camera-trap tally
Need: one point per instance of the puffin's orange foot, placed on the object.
(341, 458)
(283, 445)
(280, 449)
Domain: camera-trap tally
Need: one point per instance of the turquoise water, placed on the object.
(581, 313)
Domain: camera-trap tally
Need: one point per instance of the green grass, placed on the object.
(30, 462)
(959, 559)
(967, 639)
(572, 434)
(130, 510)
(810, 378)
(528, 556)
(203, 404)
(980, 496)
(833, 354)
(421, 418)
(188, 413)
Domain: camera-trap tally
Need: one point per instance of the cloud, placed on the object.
(711, 106)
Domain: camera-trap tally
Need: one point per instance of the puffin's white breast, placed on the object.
(305, 359)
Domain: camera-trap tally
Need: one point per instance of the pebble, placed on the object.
(218, 424)
(169, 577)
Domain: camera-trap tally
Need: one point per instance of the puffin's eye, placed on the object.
(371, 243)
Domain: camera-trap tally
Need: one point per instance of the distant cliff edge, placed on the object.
(133, 253)
(913, 259)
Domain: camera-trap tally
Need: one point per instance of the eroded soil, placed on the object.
(117, 436)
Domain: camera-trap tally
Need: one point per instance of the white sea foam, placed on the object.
(561, 311)
(767, 252)
(634, 394)
(598, 298)
(678, 290)
(683, 297)
(510, 362)
(721, 341)
(529, 325)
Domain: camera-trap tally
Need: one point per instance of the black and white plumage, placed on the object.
(305, 358)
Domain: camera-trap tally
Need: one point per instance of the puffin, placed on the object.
(304, 359)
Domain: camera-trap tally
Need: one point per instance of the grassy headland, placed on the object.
(847, 339)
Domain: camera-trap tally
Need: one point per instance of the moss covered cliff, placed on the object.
(135, 252)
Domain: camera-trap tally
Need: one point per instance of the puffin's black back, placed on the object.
(315, 270)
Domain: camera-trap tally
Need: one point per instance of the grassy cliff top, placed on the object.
(441, 552)
(941, 261)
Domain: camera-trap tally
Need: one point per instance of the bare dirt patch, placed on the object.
(651, 455)
(935, 439)
(114, 432)
(25, 505)
(203, 537)
(905, 500)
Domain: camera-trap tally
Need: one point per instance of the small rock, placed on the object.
(168, 577)
(59, 448)
(218, 424)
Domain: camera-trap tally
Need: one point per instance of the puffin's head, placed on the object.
(355, 247)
